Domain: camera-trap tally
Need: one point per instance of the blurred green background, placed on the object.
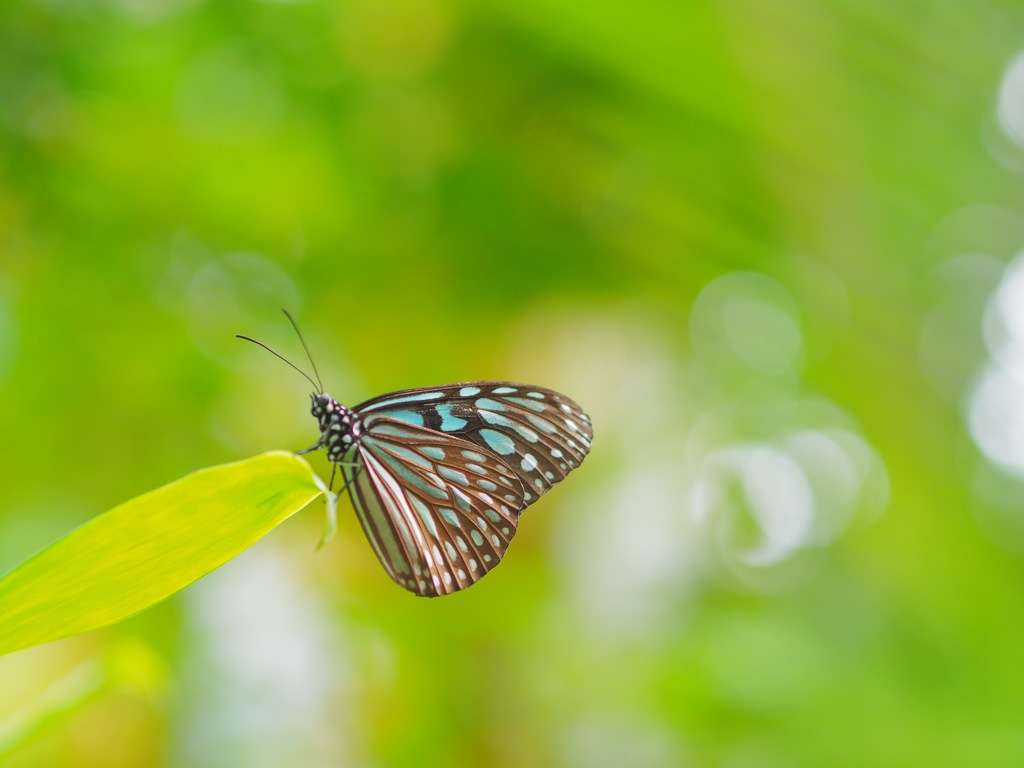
(771, 247)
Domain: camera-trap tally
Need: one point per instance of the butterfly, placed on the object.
(438, 476)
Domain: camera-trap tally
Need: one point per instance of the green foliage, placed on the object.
(747, 234)
(146, 549)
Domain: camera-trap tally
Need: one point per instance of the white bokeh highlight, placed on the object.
(269, 681)
(995, 402)
(754, 319)
(1010, 108)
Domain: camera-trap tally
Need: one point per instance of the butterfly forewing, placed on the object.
(438, 509)
(540, 434)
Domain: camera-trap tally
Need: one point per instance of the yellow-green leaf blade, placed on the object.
(148, 548)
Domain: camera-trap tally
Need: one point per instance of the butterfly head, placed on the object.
(324, 409)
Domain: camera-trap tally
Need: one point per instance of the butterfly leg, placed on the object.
(311, 448)
(332, 502)
(334, 469)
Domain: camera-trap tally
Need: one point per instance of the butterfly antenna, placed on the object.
(304, 346)
(282, 357)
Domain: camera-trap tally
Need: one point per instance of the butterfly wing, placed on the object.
(540, 434)
(438, 510)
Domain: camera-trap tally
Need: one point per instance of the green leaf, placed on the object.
(146, 549)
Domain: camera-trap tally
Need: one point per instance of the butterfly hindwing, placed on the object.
(438, 509)
(540, 434)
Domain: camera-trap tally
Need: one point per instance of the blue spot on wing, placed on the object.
(533, 405)
(499, 443)
(453, 475)
(462, 500)
(497, 419)
(409, 417)
(424, 512)
(449, 422)
(542, 424)
(490, 405)
(413, 398)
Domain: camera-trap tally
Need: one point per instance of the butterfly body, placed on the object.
(438, 476)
